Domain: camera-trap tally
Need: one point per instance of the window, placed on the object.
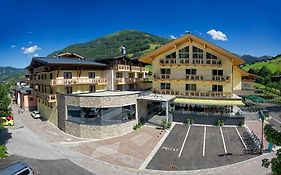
(30, 98)
(51, 75)
(131, 75)
(165, 71)
(67, 75)
(165, 86)
(92, 74)
(119, 75)
(25, 172)
(217, 72)
(217, 88)
(184, 53)
(197, 53)
(92, 88)
(68, 90)
(211, 56)
(172, 55)
(119, 87)
(190, 71)
(190, 87)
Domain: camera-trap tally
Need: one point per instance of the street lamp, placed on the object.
(261, 116)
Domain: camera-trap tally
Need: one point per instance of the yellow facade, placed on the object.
(213, 73)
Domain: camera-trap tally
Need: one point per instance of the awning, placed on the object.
(210, 102)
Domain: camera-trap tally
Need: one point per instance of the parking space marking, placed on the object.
(276, 120)
(184, 141)
(204, 141)
(241, 138)
(224, 146)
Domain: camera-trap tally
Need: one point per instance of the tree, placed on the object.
(273, 136)
(264, 72)
(4, 100)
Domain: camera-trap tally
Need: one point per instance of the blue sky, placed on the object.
(35, 27)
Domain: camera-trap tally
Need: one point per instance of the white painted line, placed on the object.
(241, 138)
(204, 141)
(224, 146)
(182, 146)
(276, 120)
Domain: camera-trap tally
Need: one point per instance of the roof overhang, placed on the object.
(148, 58)
(210, 102)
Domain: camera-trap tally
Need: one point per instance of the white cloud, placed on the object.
(30, 50)
(217, 35)
(172, 37)
(13, 46)
(36, 55)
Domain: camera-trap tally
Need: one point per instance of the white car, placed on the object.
(35, 114)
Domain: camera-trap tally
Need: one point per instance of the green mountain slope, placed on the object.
(273, 65)
(136, 43)
(7, 73)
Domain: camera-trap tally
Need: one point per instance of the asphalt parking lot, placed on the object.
(199, 147)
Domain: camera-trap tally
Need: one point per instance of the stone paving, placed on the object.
(119, 155)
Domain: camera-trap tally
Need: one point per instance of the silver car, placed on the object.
(35, 114)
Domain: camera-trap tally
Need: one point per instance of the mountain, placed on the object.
(135, 42)
(249, 59)
(273, 65)
(7, 73)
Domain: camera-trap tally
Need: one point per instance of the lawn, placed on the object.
(272, 65)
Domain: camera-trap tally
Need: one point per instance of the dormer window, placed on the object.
(172, 55)
(197, 53)
(184, 52)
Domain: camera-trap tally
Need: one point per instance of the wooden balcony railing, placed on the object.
(122, 67)
(189, 61)
(57, 82)
(129, 80)
(192, 77)
(193, 93)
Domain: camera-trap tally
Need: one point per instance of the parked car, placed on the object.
(7, 121)
(19, 168)
(35, 114)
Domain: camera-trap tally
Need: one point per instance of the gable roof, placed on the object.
(69, 55)
(148, 58)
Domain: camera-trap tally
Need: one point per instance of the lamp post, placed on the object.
(261, 115)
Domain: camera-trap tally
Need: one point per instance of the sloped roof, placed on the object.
(190, 38)
(64, 61)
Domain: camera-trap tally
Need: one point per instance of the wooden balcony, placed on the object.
(189, 61)
(198, 94)
(59, 82)
(135, 68)
(191, 77)
(128, 80)
(122, 67)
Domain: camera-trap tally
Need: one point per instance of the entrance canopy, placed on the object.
(157, 97)
(210, 102)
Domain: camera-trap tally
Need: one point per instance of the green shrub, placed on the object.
(189, 121)
(220, 123)
(3, 152)
(242, 123)
(169, 124)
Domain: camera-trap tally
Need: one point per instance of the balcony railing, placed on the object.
(129, 80)
(45, 96)
(187, 61)
(57, 82)
(193, 93)
(192, 77)
(135, 68)
(122, 67)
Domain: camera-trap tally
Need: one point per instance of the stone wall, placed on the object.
(93, 131)
(99, 132)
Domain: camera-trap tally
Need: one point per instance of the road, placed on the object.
(47, 167)
(275, 113)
